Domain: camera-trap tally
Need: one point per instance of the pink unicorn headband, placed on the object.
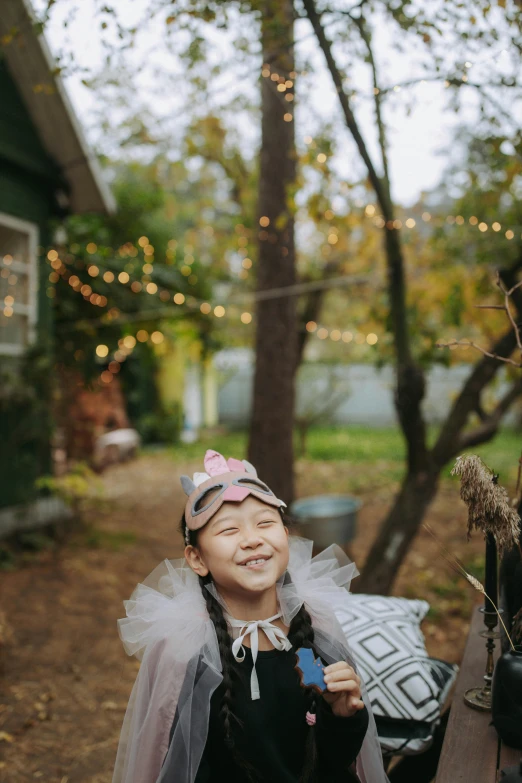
(224, 480)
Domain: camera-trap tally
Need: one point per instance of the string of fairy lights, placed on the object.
(146, 284)
(127, 344)
(218, 310)
(284, 86)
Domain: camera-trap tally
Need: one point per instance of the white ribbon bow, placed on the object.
(275, 634)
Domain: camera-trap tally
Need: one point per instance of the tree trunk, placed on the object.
(410, 380)
(397, 532)
(271, 428)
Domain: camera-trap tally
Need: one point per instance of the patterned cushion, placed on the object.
(407, 689)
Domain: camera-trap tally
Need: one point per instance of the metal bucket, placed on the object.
(327, 519)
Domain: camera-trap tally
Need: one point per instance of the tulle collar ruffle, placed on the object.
(170, 602)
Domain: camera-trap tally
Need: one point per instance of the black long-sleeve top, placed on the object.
(274, 733)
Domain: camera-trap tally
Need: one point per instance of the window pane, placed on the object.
(14, 244)
(15, 284)
(15, 267)
(13, 329)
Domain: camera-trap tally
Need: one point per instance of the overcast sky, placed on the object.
(418, 142)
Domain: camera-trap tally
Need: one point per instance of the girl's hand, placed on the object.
(344, 689)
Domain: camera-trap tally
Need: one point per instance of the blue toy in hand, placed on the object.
(310, 670)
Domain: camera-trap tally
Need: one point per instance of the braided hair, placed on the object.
(300, 634)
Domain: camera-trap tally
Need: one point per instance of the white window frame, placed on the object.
(30, 310)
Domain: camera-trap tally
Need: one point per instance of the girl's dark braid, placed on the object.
(228, 666)
(227, 659)
(225, 645)
(301, 634)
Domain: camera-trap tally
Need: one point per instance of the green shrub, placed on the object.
(78, 488)
(161, 427)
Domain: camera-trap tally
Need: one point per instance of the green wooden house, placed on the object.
(46, 172)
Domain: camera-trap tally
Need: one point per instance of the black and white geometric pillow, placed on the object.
(407, 689)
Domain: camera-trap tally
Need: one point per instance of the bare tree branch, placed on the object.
(507, 295)
(471, 344)
(377, 95)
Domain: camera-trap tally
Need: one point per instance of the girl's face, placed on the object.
(244, 546)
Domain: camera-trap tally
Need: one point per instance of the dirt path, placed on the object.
(66, 679)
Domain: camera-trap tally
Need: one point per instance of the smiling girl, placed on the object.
(222, 692)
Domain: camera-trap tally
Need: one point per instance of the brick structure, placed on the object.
(86, 413)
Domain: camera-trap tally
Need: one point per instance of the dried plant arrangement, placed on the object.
(489, 509)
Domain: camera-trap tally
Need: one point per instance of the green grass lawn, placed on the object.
(352, 444)
(362, 445)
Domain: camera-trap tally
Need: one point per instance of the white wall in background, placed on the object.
(369, 399)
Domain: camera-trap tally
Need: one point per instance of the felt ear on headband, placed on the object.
(215, 463)
(249, 467)
(188, 485)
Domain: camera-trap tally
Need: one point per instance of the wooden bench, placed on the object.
(472, 751)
